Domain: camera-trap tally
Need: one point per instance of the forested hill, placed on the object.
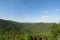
(12, 26)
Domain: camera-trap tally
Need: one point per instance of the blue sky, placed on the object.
(30, 10)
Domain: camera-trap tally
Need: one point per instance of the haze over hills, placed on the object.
(7, 26)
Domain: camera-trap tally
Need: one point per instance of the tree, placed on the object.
(54, 31)
(28, 37)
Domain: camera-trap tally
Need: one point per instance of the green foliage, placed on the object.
(10, 30)
(28, 37)
(55, 31)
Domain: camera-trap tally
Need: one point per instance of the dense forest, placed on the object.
(11, 30)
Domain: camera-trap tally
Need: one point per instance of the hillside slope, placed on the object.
(7, 26)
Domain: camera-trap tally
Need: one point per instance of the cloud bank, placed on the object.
(48, 19)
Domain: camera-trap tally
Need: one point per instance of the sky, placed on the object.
(30, 10)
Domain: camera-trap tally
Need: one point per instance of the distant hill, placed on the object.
(12, 26)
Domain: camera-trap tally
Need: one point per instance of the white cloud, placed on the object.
(45, 11)
(44, 17)
(57, 9)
